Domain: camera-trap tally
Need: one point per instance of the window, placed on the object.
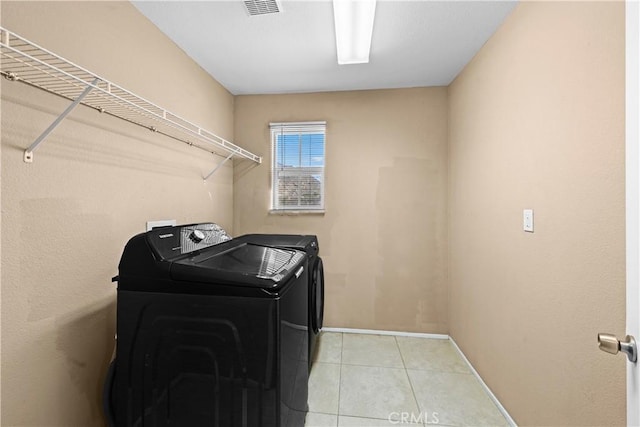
(297, 168)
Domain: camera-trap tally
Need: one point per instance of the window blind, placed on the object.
(297, 165)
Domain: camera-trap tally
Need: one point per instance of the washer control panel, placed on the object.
(169, 242)
(197, 236)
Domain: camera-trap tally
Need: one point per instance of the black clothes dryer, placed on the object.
(209, 333)
(308, 244)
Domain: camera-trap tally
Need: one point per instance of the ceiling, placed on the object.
(414, 43)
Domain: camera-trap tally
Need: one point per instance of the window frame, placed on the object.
(297, 128)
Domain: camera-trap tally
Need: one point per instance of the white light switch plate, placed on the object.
(163, 223)
(527, 220)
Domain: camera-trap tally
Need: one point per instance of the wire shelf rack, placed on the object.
(26, 62)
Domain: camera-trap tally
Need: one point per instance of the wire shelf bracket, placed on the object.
(28, 153)
(218, 166)
(24, 61)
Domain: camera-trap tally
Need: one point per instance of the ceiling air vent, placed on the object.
(262, 7)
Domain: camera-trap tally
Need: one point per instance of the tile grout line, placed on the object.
(484, 385)
(340, 380)
(376, 366)
(473, 372)
(406, 373)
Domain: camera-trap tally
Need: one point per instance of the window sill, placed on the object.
(296, 212)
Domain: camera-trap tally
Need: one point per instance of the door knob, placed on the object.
(611, 344)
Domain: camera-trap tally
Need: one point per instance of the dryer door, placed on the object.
(317, 302)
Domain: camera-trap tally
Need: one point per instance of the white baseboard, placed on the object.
(393, 333)
(485, 386)
(437, 337)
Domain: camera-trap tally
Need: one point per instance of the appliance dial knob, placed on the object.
(196, 236)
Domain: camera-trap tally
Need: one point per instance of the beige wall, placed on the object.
(93, 184)
(383, 237)
(537, 121)
(534, 121)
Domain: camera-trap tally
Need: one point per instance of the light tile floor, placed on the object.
(376, 380)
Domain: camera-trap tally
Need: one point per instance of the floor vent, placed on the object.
(262, 7)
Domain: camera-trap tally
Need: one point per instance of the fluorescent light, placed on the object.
(354, 27)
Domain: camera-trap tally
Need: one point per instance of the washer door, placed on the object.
(317, 301)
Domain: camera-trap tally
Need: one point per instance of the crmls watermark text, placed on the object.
(413, 418)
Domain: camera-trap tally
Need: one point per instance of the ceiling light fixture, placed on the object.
(354, 27)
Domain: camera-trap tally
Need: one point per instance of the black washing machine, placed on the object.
(210, 333)
(308, 244)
